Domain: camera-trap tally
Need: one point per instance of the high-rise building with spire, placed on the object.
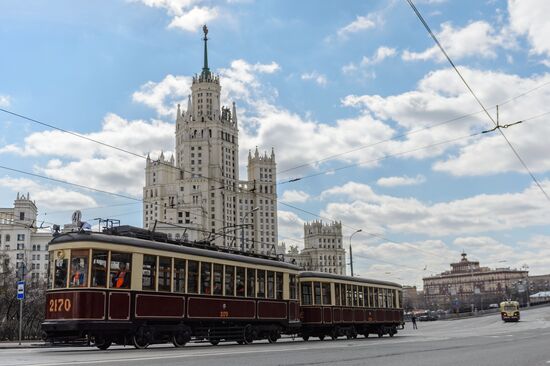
(197, 194)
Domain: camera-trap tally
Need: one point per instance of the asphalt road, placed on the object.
(477, 341)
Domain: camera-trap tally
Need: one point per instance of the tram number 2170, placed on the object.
(58, 305)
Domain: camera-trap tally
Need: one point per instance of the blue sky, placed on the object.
(311, 79)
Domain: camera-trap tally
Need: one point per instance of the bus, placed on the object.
(509, 311)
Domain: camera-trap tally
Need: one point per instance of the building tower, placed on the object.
(323, 250)
(197, 194)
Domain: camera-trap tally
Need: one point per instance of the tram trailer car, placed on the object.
(334, 305)
(108, 288)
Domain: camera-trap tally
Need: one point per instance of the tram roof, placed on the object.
(337, 277)
(168, 247)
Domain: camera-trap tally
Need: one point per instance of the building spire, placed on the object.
(205, 69)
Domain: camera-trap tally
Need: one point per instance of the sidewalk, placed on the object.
(24, 344)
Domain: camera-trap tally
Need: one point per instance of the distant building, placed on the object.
(539, 283)
(412, 299)
(467, 284)
(21, 245)
(197, 194)
(323, 250)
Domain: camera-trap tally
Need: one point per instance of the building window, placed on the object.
(21, 216)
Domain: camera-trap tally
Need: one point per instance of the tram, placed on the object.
(334, 305)
(109, 288)
(130, 286)
(509, 311)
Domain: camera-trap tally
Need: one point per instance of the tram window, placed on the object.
(317, 293)
(270, 285)
(360, 296)
(192, 277)
(306, 293)
(149, 272)
(381, 303)
(179, 275)
(292, 287)
(229, 280)
(60, 279)
(120, 268)
(240, 281)
(337, 294)
(218, 279)
(349, 301)
(99, 268)
(79, 268)
(385, 298)
(354, 295)
(326, 294)
(376, 298)
(261, 283)
(279, 285)
(365, 296)
(165, 269)
(251, 282)
(371, 297)
(206, 279)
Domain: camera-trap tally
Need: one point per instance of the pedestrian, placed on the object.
(413, 320)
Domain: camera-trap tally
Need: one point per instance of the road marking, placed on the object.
(203, 354)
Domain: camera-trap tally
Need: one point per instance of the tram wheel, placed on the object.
(249, 334)
(321, 337)
(391, 334)
(214, 342)
(273, 336)
(180, 339)
(380, 333)
(305, 338)
(141, 338)
(366, 334)
(240, 342)
(102, 343)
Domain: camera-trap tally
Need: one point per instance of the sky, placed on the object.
(370, 124)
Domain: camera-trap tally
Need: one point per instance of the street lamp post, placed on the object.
(242, 226)
(350, 251)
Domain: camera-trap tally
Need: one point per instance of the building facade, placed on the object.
(22, 247)
(323, 250)
(197, 194)
(467, 286)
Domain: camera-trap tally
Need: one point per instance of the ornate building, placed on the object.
(21, 245)
(198, 195)
(323, 249)
(468, 285)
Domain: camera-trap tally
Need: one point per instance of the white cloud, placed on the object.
(94, 165)
(290, 228)
(529, 18)
(379, 55)
(5, 101)
(48, 197)
(164, 95)
(401, 181)
(360, 23)
(475, 39)
(186, 15)
(292, 196)
(194, 18)
(315, 76)
(440, 96)
(360, 206)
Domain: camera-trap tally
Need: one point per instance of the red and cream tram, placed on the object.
(334, 305)
(109, 288)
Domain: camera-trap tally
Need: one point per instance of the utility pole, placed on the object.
(242, 226)
(350, 251)
(21, 297)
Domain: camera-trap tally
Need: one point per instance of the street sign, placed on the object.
(20, 290)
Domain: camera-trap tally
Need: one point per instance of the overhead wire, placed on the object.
(514, 150)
